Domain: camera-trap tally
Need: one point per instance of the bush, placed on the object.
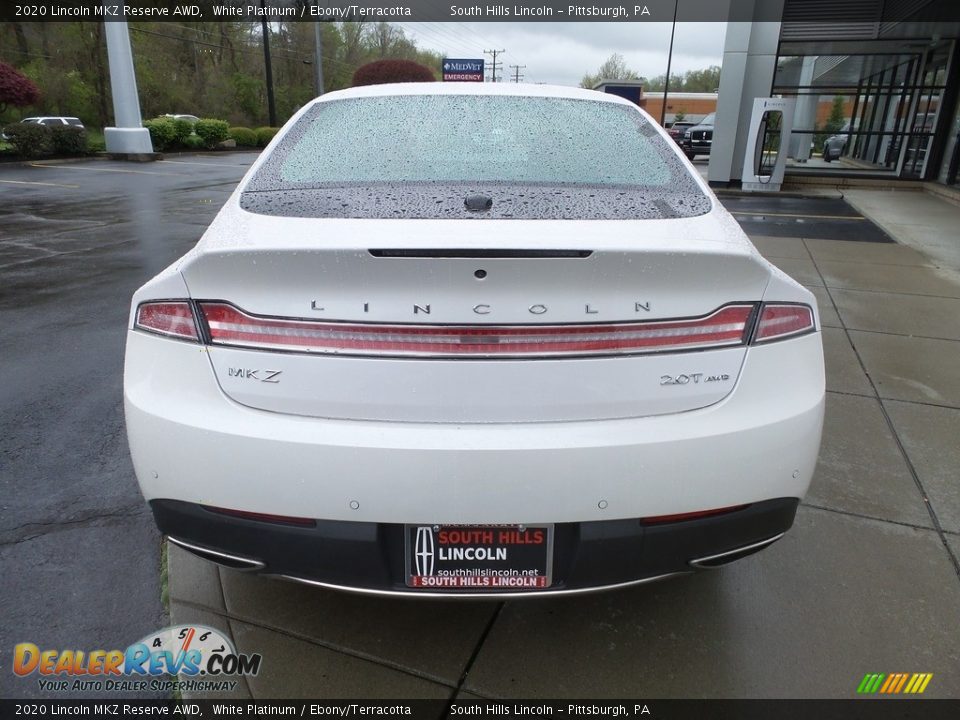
(392, 71)
(182, 129)
(194, 142)
(211, 131)
(265, 135)
(68, 140)
(163, 133)
(244, 137)
(30, 140)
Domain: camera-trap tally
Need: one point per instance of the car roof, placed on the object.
(474, 88)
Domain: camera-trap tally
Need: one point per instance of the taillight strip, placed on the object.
(779, 321)
(230, 326)
(173, 318)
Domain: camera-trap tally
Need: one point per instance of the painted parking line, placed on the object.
(219, 165)
(92, 169)
(760, 213)
(28, 182)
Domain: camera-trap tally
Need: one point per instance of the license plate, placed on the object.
(479, 557)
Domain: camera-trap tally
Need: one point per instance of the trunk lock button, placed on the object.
(478, 203)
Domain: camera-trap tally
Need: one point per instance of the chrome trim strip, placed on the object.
(211, 555)
(698, 562)
(480, 596)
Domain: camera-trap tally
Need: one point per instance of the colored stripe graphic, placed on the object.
(918, 683)
(899, 687)
(870, 683)
(891, 681)
(894, 683)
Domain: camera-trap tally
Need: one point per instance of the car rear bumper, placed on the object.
(190, 442)
(700, 147)
(370, 557)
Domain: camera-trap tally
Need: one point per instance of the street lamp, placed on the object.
(666, 83)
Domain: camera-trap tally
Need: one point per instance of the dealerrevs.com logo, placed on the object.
(202, 658)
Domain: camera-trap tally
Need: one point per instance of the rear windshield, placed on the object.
(399, 147)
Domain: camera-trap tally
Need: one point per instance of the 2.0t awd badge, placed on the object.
(695, 378)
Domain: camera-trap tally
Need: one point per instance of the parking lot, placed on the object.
(867, 581)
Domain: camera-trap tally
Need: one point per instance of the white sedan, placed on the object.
(473, 340)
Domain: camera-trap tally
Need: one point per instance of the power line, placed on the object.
(517, 77)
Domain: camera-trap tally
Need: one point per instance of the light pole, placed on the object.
(271, 106)
(666, 84)
(318, 37)
(129, 137)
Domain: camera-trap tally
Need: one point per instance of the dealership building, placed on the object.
(886, 69)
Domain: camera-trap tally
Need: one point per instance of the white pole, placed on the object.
(129, 136)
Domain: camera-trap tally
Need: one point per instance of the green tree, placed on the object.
(208, 69)
(706, 80)
(837, 115)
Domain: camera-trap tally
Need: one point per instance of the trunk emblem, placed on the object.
(267, 376)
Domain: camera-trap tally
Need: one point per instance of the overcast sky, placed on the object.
(561, 53)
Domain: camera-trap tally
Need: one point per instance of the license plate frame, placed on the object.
(505, 558)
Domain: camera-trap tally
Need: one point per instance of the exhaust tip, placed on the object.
(235, 562)
(715, 561)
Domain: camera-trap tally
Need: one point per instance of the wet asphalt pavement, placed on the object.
(79, 553)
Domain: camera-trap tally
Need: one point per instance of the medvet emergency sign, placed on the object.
(458, 70)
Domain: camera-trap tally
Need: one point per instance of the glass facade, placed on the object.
(872, 108)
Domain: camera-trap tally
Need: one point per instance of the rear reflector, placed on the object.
(263, 517)
(660, 519)
(782, 321)
(172, 318)
(231, 326)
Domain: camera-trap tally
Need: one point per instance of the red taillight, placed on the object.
(782, 321)
(172, 317)
(230, 326)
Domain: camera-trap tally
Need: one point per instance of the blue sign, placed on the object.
(459, 70)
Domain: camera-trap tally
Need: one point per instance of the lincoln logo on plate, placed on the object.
(423, 552)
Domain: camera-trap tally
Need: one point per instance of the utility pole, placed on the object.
(494, 65)
(271, 106)
(517, 77)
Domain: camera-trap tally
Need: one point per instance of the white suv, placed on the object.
(473, 339)
(51, 121)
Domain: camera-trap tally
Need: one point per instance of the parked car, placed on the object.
(434, 366)
(699, 139)
(677, 129)
(49, 121)
(189, 118)
(54, 120)
(834, 145)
